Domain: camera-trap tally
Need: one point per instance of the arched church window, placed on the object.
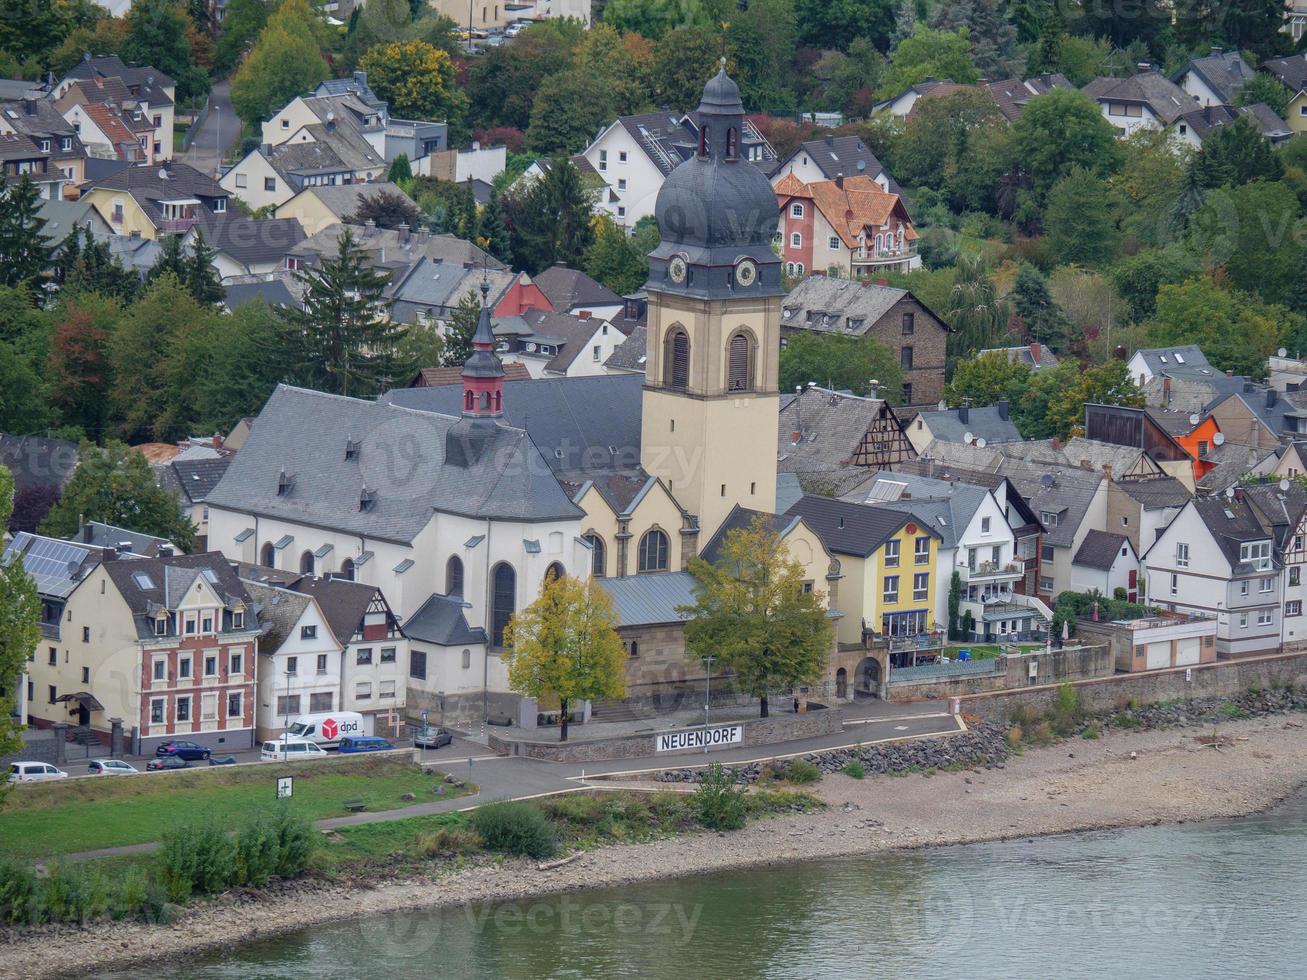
(653, 551)
(676, 366)
(503, 601)
(598, 558)
(739, 363)
(454, 576)
(732, 144)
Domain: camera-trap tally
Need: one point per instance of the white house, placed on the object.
(1105, 562)
(299, 666)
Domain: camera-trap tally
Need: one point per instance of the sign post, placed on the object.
(696, 738)
(284, 787)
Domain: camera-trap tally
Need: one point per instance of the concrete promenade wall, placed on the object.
(1224, 677)
(781, 727)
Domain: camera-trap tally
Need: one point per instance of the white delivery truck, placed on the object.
(327, 728)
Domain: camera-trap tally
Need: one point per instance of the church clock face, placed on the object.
(746, 273)
(676, 269)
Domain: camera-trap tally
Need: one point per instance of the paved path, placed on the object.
(515, 778)
(216, 135)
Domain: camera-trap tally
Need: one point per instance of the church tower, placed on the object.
(711, 404)
(483, 395)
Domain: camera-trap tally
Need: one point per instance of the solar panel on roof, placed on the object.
(51, 562)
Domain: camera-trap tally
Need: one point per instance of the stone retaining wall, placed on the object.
(1222, 678)
(782, 727)
(1054, 667)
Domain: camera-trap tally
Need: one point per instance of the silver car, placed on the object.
(34, 772)
(110, 767)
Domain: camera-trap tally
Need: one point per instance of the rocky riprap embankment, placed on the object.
(983, 747)
(1204, 711)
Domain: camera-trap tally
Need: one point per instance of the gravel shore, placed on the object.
(1075, 785)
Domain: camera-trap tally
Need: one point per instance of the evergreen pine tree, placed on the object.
(172, 258)
(26, 253)
(89, 267)
(494, 236)
(1043, 318)
(400, 171)
(340, 342)
(458, 335)
(201, 278)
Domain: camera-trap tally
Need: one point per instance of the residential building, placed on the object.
(978, 425)
(166, 644)
(572, 291)
(243, 246)
(192, 480)
(300, 660)
(1012, 95)
(1192, 127)
(318, 207)
(317, 155)
(1215, 80)
(108, 129)
(901, 105)
(63, 217)
(846, 227)
(1070, 503)
(1187, 362)
(136, 88)
(894, 317)
(1295, 19)
(22, 159)
(1035, 355)
(1104, 562)
(629, 356)
(438, 377)
(1292, 73)
(123, 542)
(1142, 508)
(560, 345)
(888, 563)
(1217, 558)
(1140, 428)
(449, 673)
(834, 156)
(1148, 100)
(156, 201)
(634, 155)
(52, 133)
(429, 291)
(830, 442)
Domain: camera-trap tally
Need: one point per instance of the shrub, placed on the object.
(177, 864)
(574, 808)
(720, 800)
(514, 828)
(447, 841)
(214, 856)
(1067, 709)
(1043, 734)
(854, 769)
(72, 894)
(1125, 720)
(295, 842)
(1091, 731)
(17, 892)
(801, 772)
(1015, 735)
(1231, 710)
(258, 851)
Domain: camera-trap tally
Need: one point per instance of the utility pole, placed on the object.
(708, 661)
(286, 733)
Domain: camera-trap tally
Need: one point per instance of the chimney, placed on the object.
(1002, 409)
(839, 181)
(370, 223)
(165, 551)
(29, 106)
(882, 282)
(403, 232)
(964, 413)
(1107, 470)
(1035, 353)
(1229, 374)
(217, 441)
(1057, 443)
(1166, 392)
(1270, 397)
(1238, 494)
(361, 79)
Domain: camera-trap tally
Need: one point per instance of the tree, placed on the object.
(1236, 331)
(1266, 89)
(841, 362)
(202, 280)
(340, 342)
(286, 61)
(1078, 219)
(386, 209)
(929, 54)
(853, 76)
(115, 485)
(565, 646)
(653, 18)
(841, 22)
(400, 172)
(684, 60)
(26, 253)
(761, 39)
(417, 79)
(569, 109)
(1236, 154)
(954, 605)
(1108, 383)
(241, 23)
(751, 612)
(983, 380)
(20, 628)
(23, 406)
(493, 233)
(1254, 231)
(615, 259)
(1145, 189)
(549, 219)
(623, 63)
(157, 36)
(1058, 132)
(503, 82)
(462, 325)
(77, 368)
(974, 310)
(88, 266)
(956, 144)
(992, 35)
(239, 360)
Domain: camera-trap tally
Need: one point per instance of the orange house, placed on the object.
(1199, 443)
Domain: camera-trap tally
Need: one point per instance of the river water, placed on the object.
(1222, 899)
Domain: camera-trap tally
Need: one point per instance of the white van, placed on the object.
(291, 750)
(327, 728)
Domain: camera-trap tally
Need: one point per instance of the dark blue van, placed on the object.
(363, 743)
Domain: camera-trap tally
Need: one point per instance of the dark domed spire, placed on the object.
(721, 95)
(483, 374)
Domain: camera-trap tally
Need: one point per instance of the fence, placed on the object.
(189, 136)
(957, 668)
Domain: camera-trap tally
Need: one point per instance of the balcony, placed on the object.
(870, 258)
(992, 571)
(180, 225)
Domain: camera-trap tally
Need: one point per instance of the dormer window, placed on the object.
(285, 484)
(351, 449)
(161, 626)
(237, 620)
(367, 499)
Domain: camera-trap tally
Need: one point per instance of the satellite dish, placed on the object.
(1229, 493)
(1218, 439)
(1284, 484)
(1195, 419)
(1281, 352)
(1047, 480)
(980, 443)
(969, 438)
(163, 173)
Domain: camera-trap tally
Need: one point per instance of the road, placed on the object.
(515, 778)
(218, 134)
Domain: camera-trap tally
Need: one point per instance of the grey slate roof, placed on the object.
(631, 353)
(441, 621)
(1291, 71)
(37, 461)
(279, 609)
(830, 427)
(1233, 463)
(567, 289)
(573, 421)
(1034, 354)
(852, 529)
(947, 507)
(101, 535)
(147, 188)
(651, 599)
(343, 200)
(1280, 510)
(304, 433)
(274, 292)
(194, 478)
(983, 422)
(1069, 495)
(1014, 94)
(1156, 493)
(844, 156)
(827, 305)
(343, 602)
(112, 66)
(1100, 549)
(1224, 72)
(248, 241)
(1159, 93)
(1191, 362)
(1231, 523)
(169, 578)
(63, 217)
(739, 519)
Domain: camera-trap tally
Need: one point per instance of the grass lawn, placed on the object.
(88, 814)
(378, 842)
(988, 651)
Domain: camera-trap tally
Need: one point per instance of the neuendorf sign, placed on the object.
(701, 738)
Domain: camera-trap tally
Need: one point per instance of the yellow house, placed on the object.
(156, 201)
(319, 207)
(884, 567)
(1295, 113)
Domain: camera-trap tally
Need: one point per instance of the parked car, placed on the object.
(514, 29)
(363, 743)
(33, 772)
(167, 762)
(110, 767)
(291, 750)
(183, 749)
(222, 760)
(432, 738)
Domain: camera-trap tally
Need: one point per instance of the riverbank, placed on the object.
(1074, 785)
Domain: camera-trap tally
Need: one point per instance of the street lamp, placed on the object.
(708, 660)
(285, 735)
(441, 695)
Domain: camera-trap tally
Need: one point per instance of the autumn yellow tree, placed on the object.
(752, 613)
(417, 79)
(565, 645)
